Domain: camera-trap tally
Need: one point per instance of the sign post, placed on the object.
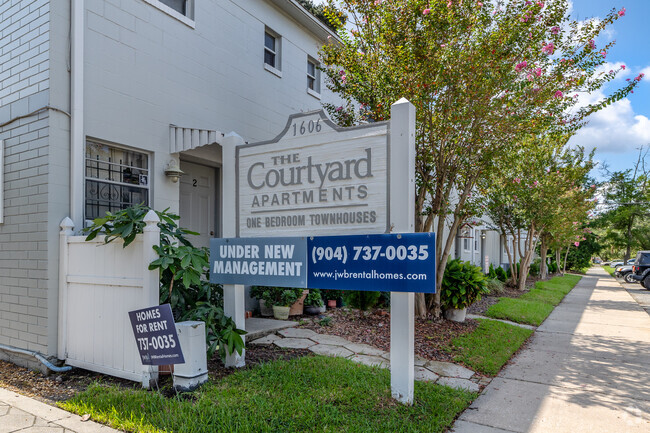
(316, 180)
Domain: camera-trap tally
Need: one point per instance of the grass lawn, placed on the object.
(535, 306)
(490, 346)
(309, 394)
(609, 270)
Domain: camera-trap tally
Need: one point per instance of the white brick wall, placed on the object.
(24, 88)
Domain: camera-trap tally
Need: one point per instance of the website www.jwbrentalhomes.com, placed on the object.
(369, 275)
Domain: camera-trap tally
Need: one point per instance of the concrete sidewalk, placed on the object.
(587, 369)
(26, 415)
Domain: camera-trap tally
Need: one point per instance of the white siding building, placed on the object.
(98, 98)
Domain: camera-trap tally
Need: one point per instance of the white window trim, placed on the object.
(2, 182)
(272, 70)
(172, 13)
(127, 149)
(314, 92)
(277, 69)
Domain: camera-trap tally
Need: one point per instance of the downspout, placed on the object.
(77, 137)
(38, 356)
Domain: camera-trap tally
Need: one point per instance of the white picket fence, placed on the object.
(99, 284)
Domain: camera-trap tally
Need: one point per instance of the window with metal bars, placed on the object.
(116, 178)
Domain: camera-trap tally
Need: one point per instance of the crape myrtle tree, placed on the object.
(482, 75)
(539, 190)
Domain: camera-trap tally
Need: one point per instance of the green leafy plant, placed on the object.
(462, 285)
(184, 268)
(501, 274)
(361, 299)
(325, 321)
(314, 298)
(280, 296)
(495, 286)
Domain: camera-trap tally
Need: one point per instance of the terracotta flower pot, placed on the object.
(331, 303)
(298, 306)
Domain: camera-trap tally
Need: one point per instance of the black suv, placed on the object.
(641, 268)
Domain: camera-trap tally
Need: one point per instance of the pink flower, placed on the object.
(521, 66)
(530, 77)
(559, 94)
(548, 48)
(378, 2)
(426, 11)
(528, 3)
(343, 79)
(623, 67)
(535, 183)
(339, 108)
(449, 4)
(538, 72)
(638, 78)
(479, 4)
(621, 13)
(517, 180)
(443, 45)
(592, 44)
(576, 244)
(555, 30)
(593, 186)
(540, 4)
(603, 53)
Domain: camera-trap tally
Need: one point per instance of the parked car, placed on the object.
(631, 261)
(641, 268)
(624, 272)
(616, 263)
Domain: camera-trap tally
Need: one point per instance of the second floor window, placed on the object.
(312, 75)
(272, 49)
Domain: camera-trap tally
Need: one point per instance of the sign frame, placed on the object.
(325, 119)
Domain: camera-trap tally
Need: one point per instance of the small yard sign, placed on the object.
(155, 335)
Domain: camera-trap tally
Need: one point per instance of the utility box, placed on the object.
(194, 372)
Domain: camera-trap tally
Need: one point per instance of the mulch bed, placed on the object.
(373, 328)
(58, 387)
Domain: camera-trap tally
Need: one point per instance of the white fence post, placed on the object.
(150, 280)
(402, 218)
(233, 294)
(67, 227)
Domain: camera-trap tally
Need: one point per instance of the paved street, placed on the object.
(587, 369)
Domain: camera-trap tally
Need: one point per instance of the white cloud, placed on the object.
(616, 128)
(646, 71)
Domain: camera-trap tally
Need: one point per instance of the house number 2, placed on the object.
(310, 127)
(194, 183)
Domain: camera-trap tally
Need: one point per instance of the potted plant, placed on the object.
(257, 292)
(462, 285)
(298, 307)
(282, 301)
(334, 298)
(314, 302)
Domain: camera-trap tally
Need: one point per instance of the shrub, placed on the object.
(184, 273)
(495, 286)
(281, 296)
(362, 299)
(462, 284)
(314, 298)
(535, 267)
(491, 272)
(501, 274)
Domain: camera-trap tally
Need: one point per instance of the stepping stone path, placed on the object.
(443, 373)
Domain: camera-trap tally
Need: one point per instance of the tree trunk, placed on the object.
(543, 269)
(420, 305)
(565, 257)
(558, 254)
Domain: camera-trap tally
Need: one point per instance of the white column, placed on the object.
(233, 294)
(150, 283)
(402, 218)
(67, 227)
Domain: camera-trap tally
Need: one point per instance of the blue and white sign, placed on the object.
(156, 336)
(387, 262)
(279, 262)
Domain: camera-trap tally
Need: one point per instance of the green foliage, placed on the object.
(327, 14)
(332, 294)
(534, 267)
(281, 296)
(491, 272)
(184, 273)
(462, 285)
(325, 321)
(520, 311)
(580, 257)
(501, 274)
(304, 395)
(495, 286)
(314, 298)
(535, 306)
(362, 299)
(488, 347)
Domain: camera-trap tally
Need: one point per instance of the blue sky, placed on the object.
(617, 131)
(620, 129)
